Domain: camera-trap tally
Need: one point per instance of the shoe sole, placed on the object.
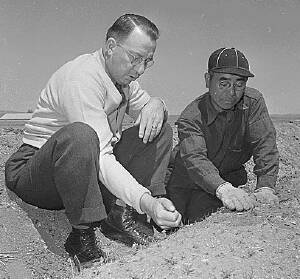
(73, 255)
(80, 266)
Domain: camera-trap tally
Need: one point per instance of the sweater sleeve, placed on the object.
(86, 104)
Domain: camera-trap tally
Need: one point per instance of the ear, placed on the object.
(207, 79)
(110, 44)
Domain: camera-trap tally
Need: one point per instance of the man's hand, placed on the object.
(234, 198)
(151, 119)
(266, 195)
(161, 210)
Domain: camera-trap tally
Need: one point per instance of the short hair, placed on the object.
(125, 24)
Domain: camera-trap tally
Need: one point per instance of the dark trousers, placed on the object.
(193, 202)
(63, 173)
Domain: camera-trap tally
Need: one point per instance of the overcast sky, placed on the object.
(38, 36)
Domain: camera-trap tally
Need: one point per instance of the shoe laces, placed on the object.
(88, 241)
(130, 223)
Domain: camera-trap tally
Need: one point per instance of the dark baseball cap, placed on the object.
(229, 61)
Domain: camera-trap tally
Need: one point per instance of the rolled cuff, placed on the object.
(86, 215)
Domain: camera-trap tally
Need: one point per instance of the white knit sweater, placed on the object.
(82, 91)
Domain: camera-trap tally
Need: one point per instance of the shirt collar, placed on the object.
(212, 113)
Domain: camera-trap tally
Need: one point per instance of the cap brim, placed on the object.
(234, 71)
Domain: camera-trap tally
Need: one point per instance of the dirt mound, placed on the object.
(262, 243)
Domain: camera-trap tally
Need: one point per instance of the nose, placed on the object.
(232, 90)
(140, 68)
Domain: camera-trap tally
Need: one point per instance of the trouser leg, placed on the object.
(179, 187)
(203, 204)
(148, 162)
(180, 197)
(192, 202)
(63, 173)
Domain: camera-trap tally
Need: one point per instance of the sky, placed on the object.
(38, 36)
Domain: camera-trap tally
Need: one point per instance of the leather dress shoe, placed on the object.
(81, 246)
(125, 225)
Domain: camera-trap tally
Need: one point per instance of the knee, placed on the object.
(82, 132)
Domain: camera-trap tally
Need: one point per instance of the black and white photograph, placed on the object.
(147, 139)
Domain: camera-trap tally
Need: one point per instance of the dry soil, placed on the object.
(262, 243)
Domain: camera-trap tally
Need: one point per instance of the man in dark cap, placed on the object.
(218, 133)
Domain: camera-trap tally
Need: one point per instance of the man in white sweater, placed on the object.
(75, 157)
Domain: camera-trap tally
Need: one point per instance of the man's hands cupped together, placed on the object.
(151, 119)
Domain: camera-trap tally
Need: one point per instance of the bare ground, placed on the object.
(262, 243)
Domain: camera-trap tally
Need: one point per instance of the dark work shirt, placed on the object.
(213, 144)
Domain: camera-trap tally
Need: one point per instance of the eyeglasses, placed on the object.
(238, 86)
(134, 60)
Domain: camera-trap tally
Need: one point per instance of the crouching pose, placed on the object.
(218, 133)
(75, 157)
